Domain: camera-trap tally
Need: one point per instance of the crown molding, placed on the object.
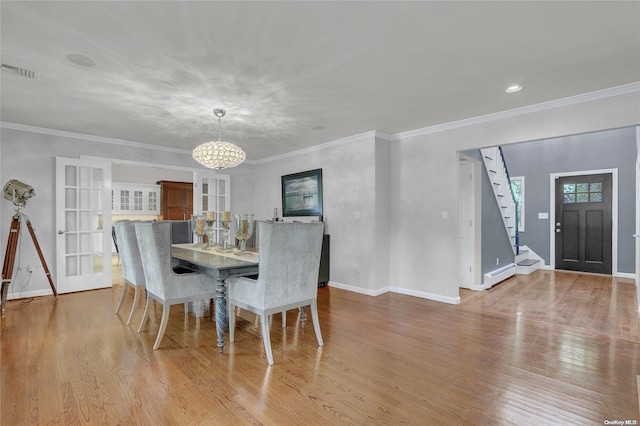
(544, 106)
(360, 136)
(92, 138)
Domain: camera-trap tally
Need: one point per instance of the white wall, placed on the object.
(350, 206)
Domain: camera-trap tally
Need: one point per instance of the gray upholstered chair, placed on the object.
(163, 284)
(287, 279)
(132, 271)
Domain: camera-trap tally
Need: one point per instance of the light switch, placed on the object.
(445, 215)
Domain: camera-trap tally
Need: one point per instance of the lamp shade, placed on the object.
(219, 155)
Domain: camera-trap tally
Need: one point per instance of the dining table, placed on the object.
(218, 265)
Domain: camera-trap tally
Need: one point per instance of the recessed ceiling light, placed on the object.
(83, 61)
(513, 89)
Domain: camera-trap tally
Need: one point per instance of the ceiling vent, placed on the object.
(22, 72)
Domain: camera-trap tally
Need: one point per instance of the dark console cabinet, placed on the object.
(323, 275)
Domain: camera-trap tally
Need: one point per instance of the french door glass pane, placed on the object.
(70, 176)
(98, 263)
(84, 177)
(96, 199)
(72, 266)
(85, 198)
(86, 264)
(85, 242)
(71, 221)
(71, 241)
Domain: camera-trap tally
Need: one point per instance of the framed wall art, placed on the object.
(302, 194)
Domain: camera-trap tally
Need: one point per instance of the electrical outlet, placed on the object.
(30, 269)
(497, 261)
(356, 268)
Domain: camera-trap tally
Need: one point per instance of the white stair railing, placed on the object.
(498, 174)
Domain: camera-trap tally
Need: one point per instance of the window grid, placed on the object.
(583, 192)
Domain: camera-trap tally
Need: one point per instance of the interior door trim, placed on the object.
(614, 214)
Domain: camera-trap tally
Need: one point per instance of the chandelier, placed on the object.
(219, 154)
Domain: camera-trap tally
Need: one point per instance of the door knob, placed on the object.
(557, 230)
(558, 224)
(61, 232)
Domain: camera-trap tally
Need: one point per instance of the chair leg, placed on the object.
(163, 325)
(266, 338)
(124, 295)
(231, 314)
(284, 319)
(145, 314)
(316, 322)
(136, 299)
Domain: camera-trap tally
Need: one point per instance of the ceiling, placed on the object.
(297, 74)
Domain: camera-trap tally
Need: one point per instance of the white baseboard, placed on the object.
(27, 294)
(360, 290)
(474, 287)
(424, 295)
(378, 292)
(625, 275)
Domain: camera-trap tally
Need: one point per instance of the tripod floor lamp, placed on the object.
(19, 192)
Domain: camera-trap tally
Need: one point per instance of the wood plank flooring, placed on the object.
(546, 349)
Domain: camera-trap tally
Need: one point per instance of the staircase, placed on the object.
(496, 167)
(527, 261)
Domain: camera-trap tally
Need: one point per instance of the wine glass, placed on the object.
(210, 220)
(197, 224)
(244, 229)
(225, 220)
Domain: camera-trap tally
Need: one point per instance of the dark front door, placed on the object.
(583, 223)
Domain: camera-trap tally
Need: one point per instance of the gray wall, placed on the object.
(536, 161)
(420, 183)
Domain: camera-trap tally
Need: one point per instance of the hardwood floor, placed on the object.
(549, 348)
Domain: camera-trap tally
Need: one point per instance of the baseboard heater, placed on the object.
(494, 277)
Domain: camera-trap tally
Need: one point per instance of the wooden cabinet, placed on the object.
(135, 198)
(176, 200)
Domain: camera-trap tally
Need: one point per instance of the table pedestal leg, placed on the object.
(221, 312)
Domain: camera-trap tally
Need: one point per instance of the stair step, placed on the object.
(528, 262)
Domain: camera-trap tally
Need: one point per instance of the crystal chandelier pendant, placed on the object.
(219, 154)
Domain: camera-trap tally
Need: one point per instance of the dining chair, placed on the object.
(287, 277)
(162, 283)
(132, 271)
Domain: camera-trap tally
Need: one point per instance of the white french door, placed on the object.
(83, 224)
(211, 192)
